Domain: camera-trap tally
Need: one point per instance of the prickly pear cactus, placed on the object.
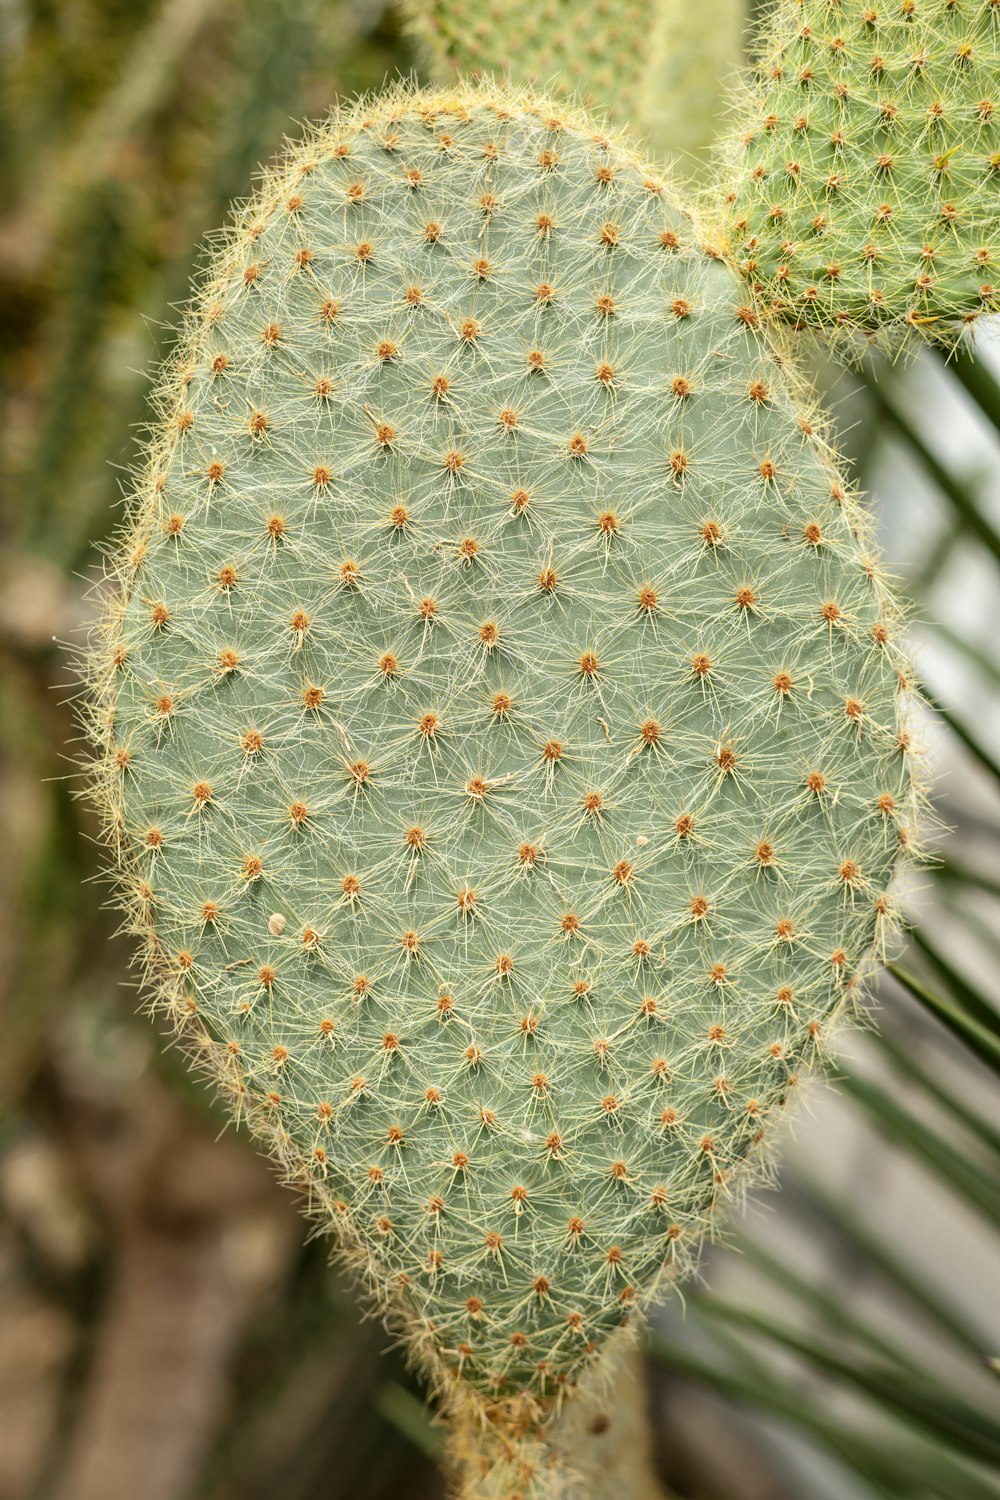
(868, 187)
(501, 720)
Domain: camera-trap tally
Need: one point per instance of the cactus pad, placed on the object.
(501, 720)
(868, 188)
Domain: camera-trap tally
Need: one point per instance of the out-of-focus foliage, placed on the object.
(163, 1333)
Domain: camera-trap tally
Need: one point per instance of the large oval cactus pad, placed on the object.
(502, 719)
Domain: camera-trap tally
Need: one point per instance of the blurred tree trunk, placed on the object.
(201, 1237)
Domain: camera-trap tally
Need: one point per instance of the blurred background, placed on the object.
(165, 1333)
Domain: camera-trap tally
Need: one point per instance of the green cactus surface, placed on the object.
(867, 192)
(599, 52)
(658, 67)
(502, 720)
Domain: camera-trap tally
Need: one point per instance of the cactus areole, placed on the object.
(501, 707)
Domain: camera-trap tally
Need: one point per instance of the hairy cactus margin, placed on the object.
(501, 726)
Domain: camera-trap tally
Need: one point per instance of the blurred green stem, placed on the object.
(976, 1037)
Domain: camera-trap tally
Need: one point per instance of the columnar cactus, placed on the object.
(597, 52)
(693, 54)
(501, 721)
(659, 68)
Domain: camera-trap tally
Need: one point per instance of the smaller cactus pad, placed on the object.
(501, 720)
(868, 187)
